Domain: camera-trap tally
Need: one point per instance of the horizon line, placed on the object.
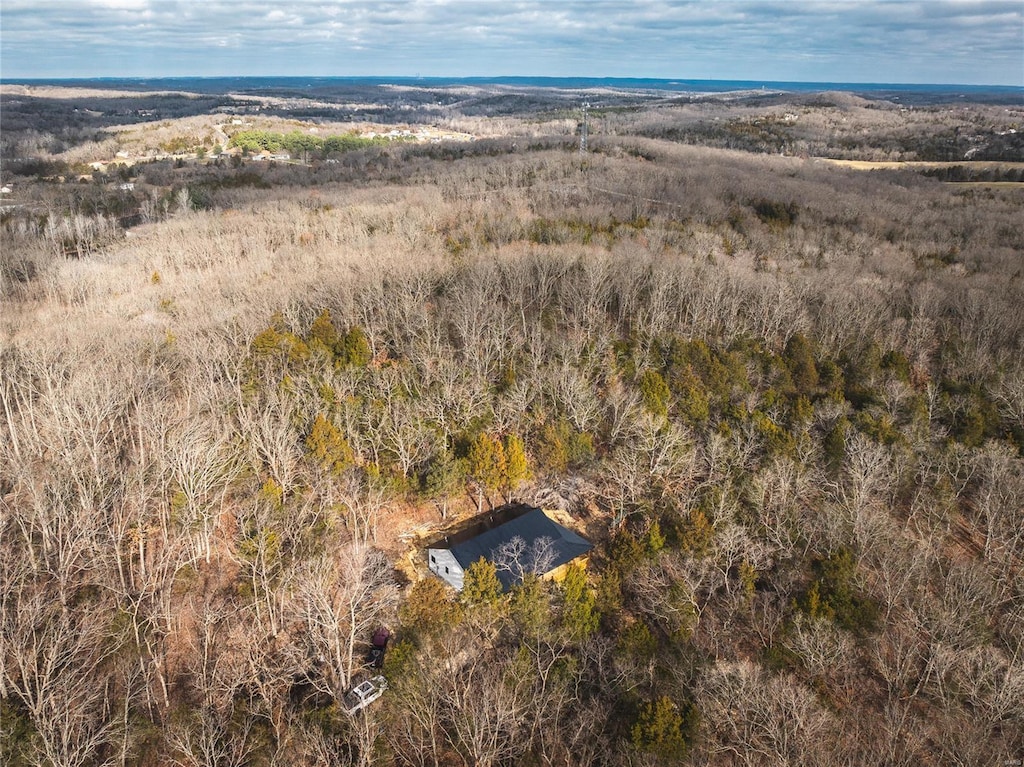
(493, 78)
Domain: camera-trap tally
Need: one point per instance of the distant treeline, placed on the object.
(297, 142)
(963, 173)
(937, 142)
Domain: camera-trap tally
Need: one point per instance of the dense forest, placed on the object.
(784, 399)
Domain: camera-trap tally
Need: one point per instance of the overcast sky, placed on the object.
(892, 41)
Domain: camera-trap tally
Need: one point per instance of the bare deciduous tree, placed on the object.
(341, 597)
(202, 468)
(519, 559)
(486, 704)
(53, 663)
(754, 719)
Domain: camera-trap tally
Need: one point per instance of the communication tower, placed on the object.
(583, 129)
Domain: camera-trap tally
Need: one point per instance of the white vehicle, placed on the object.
(364, 693)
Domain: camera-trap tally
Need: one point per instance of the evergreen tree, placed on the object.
(663, 730)
(328, 447)
(580, 618)
(443, 478)
(486, 465)
(480, 585)
(323, 334)
(430, 608)
(799, 358)
(655, 392)
(353, 349)
(517, 470)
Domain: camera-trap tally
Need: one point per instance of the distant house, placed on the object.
(517, 539)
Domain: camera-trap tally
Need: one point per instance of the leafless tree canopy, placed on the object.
(784, 398)
(520, 559)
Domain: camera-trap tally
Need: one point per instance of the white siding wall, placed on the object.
(443, 564)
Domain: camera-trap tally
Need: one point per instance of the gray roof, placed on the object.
(530, 526)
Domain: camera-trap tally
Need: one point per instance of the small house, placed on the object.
(517, 539)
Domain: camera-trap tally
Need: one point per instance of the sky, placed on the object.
(977, 42)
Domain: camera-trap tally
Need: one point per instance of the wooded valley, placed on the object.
(784, 399)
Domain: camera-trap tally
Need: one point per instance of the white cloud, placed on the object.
(927, 40)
